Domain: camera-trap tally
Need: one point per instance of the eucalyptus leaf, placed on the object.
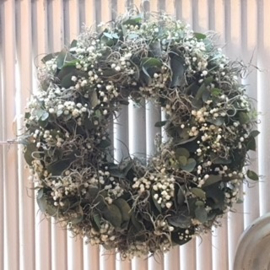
(198, 192)
(160, 123)
(48, 57)
(219, 121)
(79, 218)
(252, 175)
(124, 208)
(91, 193)
(117, 173)
(66, 70)
(215, 92)
(200, 92)
(180, 197)
(58, 167)
(155, 48)
(243, 118)
(212, 179)
(135, 221)
(93, 97)
(251, 144)
(73, 43)
(66, 81)
(134, 20)
(219, 160)
(42, 201)
(150, 65)
(201, 214)
(199, 36)
(157, 205)
(177, 64)
(64, 57)
(40, 193)
(191, 164)
(181, 151)
(182, 160)
(113, 215)
(181, 220)
(254, 133)
(105, 143)
(30, 148)
(97, 220)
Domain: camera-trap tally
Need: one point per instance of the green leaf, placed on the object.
(208, 80)
(199, 36)
(215, 196)
(178, 69)
(94, 101)
(243, 118)
(73, 43)
(58, 167)
(40, 193)
(42, 201)
(124, 208)
(157, 205)
(30, 148)
(137, 225)
(219, 121)
(66, 70)
(182, 160)
(251, 144)
(49, 57)
(180, 197)
(205, 96)
(160, 123)
(252, 175)
(113, 215)
(150, 65)
(200, 92)
(201, 214)
(44, 116)
(254, 133)
(212, 180)
(64, 57)
(134, 20)
(98, 114)
(104, 143)
(97, 219)
(155, 48)
(216, 92)
(182, 152)
(91, 194)
(219, 160)
(181, 220)
(198, 192)
(191, 164)
(66, 82)
(79, 218)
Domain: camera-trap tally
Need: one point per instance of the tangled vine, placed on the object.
(139, 207)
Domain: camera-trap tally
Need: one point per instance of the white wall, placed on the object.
(28, 29)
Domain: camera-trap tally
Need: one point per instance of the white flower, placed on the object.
(74, 78)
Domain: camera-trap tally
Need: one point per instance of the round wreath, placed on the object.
(139, 207)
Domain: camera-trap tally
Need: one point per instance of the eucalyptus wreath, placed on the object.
(139, 206)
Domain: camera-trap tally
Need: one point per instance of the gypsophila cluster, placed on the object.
(139, 206)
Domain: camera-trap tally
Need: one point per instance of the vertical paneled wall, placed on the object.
(30, 29)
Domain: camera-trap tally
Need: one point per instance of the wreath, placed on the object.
(139, 206)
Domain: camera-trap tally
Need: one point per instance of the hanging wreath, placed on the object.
(139, 207)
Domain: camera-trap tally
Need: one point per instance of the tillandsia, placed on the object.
(138, 207)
